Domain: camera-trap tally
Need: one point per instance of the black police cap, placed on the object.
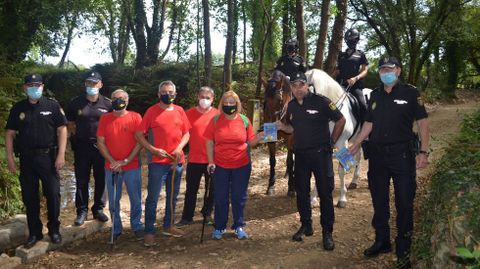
(388, 62)
(33, 78)
(298, 76)
(93, 76)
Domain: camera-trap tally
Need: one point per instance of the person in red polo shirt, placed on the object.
(167, 128)
(117, 144)
(229, 139)
(199, 117)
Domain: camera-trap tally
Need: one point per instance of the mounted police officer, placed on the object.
(352, 67)
(308, 116)
(83, 114)
(393, 107)
(291, 62)
(38, 124)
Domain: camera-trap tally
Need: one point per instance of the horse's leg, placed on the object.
(273, 162)
(356, 172)
(291, 178)
(342, 201)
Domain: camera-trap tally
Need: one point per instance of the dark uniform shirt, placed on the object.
(349, 66)
(393, 114)
(289, 65)
(36, 123)
(310, 121)
(86, 115)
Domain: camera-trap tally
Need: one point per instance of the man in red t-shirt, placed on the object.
(199, 117)
(167, 128)
(117, 144)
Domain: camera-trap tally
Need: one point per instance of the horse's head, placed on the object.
(277, 95)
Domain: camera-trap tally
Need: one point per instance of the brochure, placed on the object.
(345, 159)
(270, 131)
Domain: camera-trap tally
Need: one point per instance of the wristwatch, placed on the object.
(423, 152)
(125, 160)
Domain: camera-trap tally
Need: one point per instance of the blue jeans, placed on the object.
(157, 175)
(133, 181)
(234, 182)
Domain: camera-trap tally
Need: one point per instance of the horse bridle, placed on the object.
(283, 111)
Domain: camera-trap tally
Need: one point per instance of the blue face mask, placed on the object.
(92, 91)
(34, 93)
(388, 78)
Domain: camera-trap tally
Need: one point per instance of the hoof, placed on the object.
(271, 191)
(352, 186)
(291, 193)
(342, 204)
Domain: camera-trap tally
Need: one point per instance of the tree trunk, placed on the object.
(197, 67)
(267, 29)
(322, 36)
(139, 35)
(235, 31)
(123, 39)
(286, 32)
(227, 65)
(451, 56)
(208, 43)
(337, 36)
(173, 25)
(71, 23)
(300, 29)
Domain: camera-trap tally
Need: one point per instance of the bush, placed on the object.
(451, 209)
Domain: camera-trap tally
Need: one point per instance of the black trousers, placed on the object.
(33, 168)
(194, 176)
(358, 93)
(87, 157)
(318, 162)
(398, 162)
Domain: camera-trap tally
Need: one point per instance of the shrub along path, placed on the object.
(271, 220)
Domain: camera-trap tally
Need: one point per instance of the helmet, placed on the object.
(291, 45)
(352, 37)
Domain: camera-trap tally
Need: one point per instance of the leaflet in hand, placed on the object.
(345, 159)
(270, 132)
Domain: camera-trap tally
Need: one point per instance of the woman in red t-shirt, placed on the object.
(229, 139)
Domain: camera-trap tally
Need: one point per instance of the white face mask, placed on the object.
(205, 103)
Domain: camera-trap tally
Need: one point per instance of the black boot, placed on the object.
(81, 217)
(328, 243)
(100, 216)
(32, 240)
(377, 248)
(306, 230)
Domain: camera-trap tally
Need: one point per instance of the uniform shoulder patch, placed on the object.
(420, 101)
(332, 106)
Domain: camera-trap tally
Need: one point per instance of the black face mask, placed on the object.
(351, 44)
(229, 110)
(167, 98)
(119, 104)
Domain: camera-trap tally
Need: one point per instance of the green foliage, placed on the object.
(453, 193)
(470, 258)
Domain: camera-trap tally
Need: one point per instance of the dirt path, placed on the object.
(271, 220)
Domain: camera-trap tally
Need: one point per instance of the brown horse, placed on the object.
(277, 96)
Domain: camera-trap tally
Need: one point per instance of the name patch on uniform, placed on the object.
(332, 106)
(311, 112)
(45, 113)
(102, 110)
(400, 102)
(21, 116)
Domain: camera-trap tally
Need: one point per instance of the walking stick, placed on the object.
(174, 167)
(114, 208)
(207, 196)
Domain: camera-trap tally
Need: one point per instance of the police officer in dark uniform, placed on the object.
(352, 67)
(38, 124)
(393, 108)
(307, 117)
(291, 62)
(83, 114)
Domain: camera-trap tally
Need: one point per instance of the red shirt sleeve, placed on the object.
(145, 123)
(250, 134)
(186, 123)
(210, 130)
(101, 126)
